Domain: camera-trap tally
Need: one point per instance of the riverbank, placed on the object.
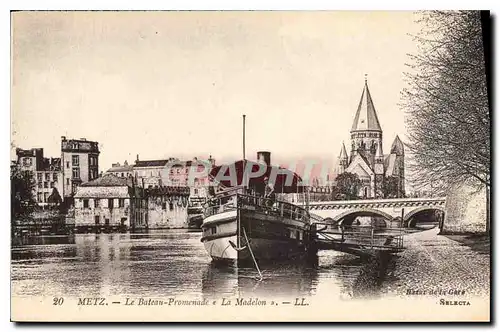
(477, 242)
(433, 262)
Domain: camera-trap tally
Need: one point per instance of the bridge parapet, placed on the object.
(378, 203)
(386, 208)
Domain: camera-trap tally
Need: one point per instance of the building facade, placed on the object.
(174, 172)
(103, 204)
(79, 162)
(122, 171)
(46, 173)
(366, 157)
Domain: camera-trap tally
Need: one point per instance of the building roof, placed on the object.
(397, 146)
(366, 116)
(151, 163)
(121, 168)
(359, 163)
(343, 152)
(79, 145)
(108, 180)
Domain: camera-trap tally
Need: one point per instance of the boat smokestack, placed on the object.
(264, 157)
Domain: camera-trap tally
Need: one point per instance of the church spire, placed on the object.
(366, 116)
(398, 147)
(343, 152)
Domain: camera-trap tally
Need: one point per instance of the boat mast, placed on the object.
(244, 159)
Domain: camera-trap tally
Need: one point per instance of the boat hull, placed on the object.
(230, 238)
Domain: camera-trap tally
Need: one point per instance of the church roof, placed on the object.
(397, 146)
(366, 116)
(359, 162)
(343, 152)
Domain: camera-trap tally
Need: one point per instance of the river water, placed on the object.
(172, 263)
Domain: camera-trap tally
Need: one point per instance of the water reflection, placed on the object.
(174, 263)
(279, 280)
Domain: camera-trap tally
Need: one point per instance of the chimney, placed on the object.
(125, 163)
(83, 139)
(264, 157)
(137, 158)
(63, 138)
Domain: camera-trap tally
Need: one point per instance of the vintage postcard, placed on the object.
(253, 166)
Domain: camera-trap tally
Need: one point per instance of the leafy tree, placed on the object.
(21, 194)
(447, 102)
(390, 187)
(348, 185)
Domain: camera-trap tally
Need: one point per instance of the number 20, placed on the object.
(58, 301)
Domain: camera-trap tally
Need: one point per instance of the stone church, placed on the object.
(367, 158)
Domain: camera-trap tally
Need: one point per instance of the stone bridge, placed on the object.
(389, 209)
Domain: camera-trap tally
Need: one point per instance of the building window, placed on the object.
(96, 202)
(45, 184)
(76, 173)
(85, 203)
(39, 197)
(121, 202)
(196, 191)
(75, 160)
(47, 176)
(67, 164)
(40, 185)
(171, 206)
(122, 174)
(54, 177)
(164, 206)
(96, 219)
(67, 182)
(110, 203)
(39, 177)
(45, 196)
(106, 221)
(52, 184)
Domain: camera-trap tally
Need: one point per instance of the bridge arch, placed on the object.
(421, 209)
(363, 212)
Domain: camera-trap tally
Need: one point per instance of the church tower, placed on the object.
(379, 170)
(366, 133)
(398, 149)
(343, 161)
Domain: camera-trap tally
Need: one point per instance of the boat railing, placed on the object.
(273, 207)
(220, 204)
(368, 236)
(261, 204)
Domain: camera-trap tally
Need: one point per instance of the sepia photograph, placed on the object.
(250, 166)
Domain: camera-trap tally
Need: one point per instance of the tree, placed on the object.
(21, 194)
(390, 187)
(348, 185)
(54, 199)
(447, 102)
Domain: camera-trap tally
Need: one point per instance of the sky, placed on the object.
(176, 84)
